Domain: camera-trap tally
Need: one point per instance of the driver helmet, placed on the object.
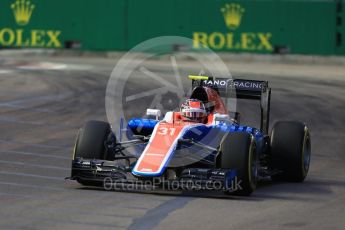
(193, 110)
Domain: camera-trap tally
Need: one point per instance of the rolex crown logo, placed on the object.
(232, 15)
(22, 10)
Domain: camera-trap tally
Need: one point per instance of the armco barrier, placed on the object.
(260, 26)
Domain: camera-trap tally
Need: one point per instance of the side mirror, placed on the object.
(154, 112)
(221, 118)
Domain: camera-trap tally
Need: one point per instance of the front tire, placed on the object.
(90, 144)
(238, 151)
(290, 151)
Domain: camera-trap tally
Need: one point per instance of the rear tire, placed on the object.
(290, 151)
(238, 151)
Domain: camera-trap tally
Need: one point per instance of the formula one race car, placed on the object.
(202, 146)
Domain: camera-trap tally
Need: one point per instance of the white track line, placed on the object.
(32, 109)
(42, 66)
(31, 175)
(17, 121)
(36, 154)
(35, 145)
(30, 186)
(44, 98)
(6, 119)
(4, 71)
(17, 195)
(34, 165)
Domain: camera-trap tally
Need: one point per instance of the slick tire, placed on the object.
(290, 151)
(90, 143)
(238, 152)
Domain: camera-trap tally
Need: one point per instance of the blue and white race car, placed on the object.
(203, 145)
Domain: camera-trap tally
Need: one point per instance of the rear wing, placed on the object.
(242, 89)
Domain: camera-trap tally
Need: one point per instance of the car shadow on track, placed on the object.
(311, 190)
(179, 193)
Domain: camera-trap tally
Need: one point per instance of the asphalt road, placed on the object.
(41, 109)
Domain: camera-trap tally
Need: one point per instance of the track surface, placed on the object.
(41, 110)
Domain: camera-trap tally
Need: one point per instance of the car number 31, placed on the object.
(166, 131)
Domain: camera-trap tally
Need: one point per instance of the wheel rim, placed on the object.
(306, 154)
(253, 165)
(254, 168)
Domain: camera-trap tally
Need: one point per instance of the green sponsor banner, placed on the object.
(306, 27)
(51, 23)
(255, 26)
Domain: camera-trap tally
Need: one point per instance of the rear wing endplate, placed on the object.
(241, 89)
